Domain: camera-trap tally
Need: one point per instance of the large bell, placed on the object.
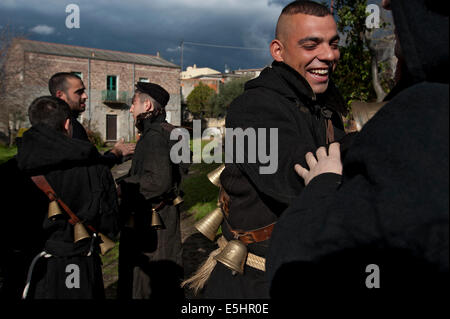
(156, 220)
(79, 232)
(53, 210)
(177, 201)
(214, 176)
(106, 244)
(209, 224)
(233, 256)
(363, 112)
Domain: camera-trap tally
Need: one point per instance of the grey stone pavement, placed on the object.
(196, 247)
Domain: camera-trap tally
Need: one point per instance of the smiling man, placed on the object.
(297, 97)
(308, 44)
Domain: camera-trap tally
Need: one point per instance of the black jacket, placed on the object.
(72, 168)
(279, 98)
(391, 207)
(150, 261)
(79, 133)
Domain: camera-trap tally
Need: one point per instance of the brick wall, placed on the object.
(40, 67)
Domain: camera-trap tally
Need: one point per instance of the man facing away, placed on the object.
(297, 97)
(378, 223)
(70, 88)
(40, 251)
(150, 259)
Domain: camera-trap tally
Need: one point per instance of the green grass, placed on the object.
(6, 153)
(200, 194)
(110, 258)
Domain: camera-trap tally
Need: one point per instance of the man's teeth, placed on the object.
(319, 71)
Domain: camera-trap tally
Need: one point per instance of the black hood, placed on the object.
(294, 86)
(422, 28)
(42, 148)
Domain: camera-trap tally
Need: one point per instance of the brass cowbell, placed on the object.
(53, 210)
(214, 176)
(156, 220)
(209, 224)
(79, 232)
(106, 244)
(233, 256)
(177, 201)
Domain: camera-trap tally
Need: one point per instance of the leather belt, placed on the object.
(253, 236)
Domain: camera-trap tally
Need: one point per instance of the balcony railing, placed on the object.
(121, 97)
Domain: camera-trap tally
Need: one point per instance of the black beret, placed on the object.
(155, 91)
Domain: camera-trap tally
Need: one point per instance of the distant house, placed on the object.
(193, 76)
(109, 78)
(253, 73)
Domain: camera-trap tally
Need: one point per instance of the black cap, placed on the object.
(155, 91)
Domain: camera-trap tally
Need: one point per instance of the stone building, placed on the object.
(109, 78)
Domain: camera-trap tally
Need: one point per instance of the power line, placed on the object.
(214, 46)
(222, 46)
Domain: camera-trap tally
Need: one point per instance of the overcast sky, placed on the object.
(149, 26)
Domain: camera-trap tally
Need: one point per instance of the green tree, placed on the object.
(227, 93)
(356, 75)
(198, 101)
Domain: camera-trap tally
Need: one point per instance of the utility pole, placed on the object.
(182, 47)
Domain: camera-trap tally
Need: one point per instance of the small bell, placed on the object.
(156, 220)
(79, 232)
(177, 201)
(214, 176)
(53, 210)
(209, 224)
(233, 256)
(106, 244)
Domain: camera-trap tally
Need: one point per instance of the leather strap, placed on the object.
(330, 132)
(253, 236)
(44, 186)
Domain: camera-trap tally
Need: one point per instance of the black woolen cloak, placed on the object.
(391, 206)
(150, 261)
(279, 98)
(72, 168)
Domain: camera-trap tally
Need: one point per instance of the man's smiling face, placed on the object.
(309, 44)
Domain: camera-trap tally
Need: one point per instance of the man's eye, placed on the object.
(310, 46)
(335, 45)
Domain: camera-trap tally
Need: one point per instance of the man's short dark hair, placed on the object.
(306, 7)
(58, 82)
(49, 110)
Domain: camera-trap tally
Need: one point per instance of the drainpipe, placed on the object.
(89, 92)
(132, 90)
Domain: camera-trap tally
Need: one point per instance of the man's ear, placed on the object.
(68, 127)
(149, 105)
(276, 50)
(60, 94)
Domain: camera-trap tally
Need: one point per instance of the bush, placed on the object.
(95, 138)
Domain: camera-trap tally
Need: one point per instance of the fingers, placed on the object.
(335, 150)
(301, 171)
(310, 160)
(321, 153)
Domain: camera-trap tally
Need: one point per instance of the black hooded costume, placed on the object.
(279, 98)
(150, 260)
(72, 169)
(390, 208)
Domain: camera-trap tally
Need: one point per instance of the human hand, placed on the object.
(123, 149)
(325, 163)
